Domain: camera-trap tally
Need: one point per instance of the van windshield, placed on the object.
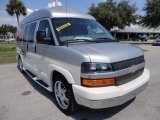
(80, 30)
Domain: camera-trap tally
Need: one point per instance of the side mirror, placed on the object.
(41, 35)
(42, 38)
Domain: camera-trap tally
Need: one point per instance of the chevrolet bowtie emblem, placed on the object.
(133, 69)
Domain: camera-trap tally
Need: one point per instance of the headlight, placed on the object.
(95, 67)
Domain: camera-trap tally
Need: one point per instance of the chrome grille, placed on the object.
(127, 63)
(129, 77)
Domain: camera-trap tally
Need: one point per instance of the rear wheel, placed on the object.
(64, 95)
(20, 65)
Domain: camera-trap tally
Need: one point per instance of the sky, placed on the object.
(80, 5)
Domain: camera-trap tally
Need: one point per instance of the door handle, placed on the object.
(27, 47)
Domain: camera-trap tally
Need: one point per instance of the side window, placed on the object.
(31, 31)
(25, 33)
(44, 26)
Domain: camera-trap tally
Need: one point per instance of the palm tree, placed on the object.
(16, 7)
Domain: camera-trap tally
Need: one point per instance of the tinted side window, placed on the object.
(45, 26)
(25, 33)
(31, 31)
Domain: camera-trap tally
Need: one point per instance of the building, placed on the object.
(134, 31)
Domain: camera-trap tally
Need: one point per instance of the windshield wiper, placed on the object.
(98, 40)
(78, 40)
(105, 40)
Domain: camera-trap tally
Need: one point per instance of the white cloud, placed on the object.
(7, 19)
(29, 11)
(133, 26)
(53, 4)
(103, 0)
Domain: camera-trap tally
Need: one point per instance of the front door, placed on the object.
(43, 48)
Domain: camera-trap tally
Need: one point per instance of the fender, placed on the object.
(63, 71)
(19, 54)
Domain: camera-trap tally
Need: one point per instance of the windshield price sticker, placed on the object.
(63, 26)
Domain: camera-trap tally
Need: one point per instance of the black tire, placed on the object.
(72, 105)
(20, 65)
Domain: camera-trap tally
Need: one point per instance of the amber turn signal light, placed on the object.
(98, 82)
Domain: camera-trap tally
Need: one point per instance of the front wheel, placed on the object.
(64, 95)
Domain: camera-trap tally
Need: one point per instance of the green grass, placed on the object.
(7, 53)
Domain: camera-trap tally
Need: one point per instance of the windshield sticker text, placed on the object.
(63, 26)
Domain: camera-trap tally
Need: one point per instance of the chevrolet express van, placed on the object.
(73, 56)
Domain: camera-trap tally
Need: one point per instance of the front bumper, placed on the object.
(104, 97)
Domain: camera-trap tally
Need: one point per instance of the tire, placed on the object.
(64, 95)
(20, 65)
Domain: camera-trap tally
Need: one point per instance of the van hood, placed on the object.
(108, 52)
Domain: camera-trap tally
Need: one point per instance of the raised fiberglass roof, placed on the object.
(55, 12)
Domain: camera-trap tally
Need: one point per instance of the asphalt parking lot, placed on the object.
(22, 99)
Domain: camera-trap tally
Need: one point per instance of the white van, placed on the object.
(73, 56)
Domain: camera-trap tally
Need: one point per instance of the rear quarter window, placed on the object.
(31, 32)
(25, 33)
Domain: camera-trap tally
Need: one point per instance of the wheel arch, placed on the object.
(55, 70)
(19, 55)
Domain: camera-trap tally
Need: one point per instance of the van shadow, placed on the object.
(82, 113)
(101, 114)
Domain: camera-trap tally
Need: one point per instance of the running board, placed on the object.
(40, 82)
(31, 75)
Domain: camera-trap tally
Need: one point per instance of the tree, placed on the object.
(112, 14)
(4, 29)
(12, 29)
(152, 17)
(127, 13)
(16, 7)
